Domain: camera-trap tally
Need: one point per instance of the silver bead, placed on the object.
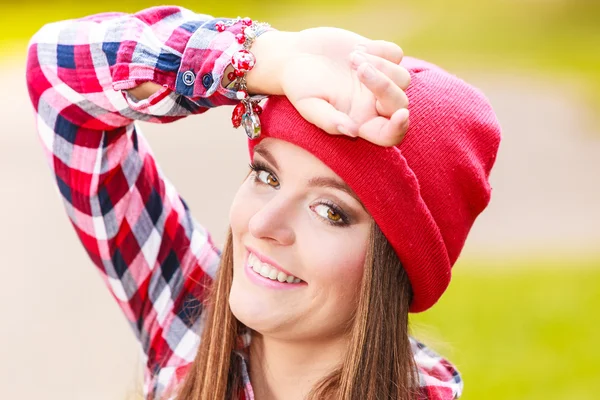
(250, 33)
(251, 124)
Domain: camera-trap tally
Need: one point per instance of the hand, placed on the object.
(338, 80)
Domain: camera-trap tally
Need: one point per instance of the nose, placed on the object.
(274, 221)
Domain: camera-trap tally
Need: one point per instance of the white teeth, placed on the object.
(281, 277)
(251, 260)
(264, 271)
(273, 274)
(269, 272)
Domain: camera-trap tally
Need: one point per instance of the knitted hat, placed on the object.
(425, 193)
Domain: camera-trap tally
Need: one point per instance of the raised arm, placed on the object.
(84, 77)
(136, 229)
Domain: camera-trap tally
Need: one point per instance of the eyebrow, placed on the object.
(266, 154)
(321, 181)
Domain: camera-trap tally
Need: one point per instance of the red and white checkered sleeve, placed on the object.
(439, 379)
(136, 229)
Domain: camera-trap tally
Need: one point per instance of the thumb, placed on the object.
(325, 116)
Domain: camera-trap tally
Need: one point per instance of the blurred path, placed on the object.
(546, 182)
(64, 338)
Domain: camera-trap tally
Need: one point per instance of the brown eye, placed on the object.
(271, 180)
(329, 214)
(332, 215)
(268, 178)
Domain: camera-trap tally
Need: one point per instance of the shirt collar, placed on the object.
(438, 378)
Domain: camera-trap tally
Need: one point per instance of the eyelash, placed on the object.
(258, 166)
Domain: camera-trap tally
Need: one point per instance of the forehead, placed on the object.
(301, 166)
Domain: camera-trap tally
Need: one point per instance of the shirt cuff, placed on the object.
(205, 58)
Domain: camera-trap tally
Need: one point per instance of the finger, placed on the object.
(382, 48)
(386, 132)
(389, 96)
(322, 114)
(398, 74)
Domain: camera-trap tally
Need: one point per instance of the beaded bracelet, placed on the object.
(247, 111)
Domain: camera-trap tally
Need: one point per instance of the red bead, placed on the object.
(239, 73)
(220, 26)
(240, 38)
(246, 21)
(243, 60)
(231, 76)
(236, 116)
(257, 109)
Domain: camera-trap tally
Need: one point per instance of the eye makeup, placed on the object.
(259, 167)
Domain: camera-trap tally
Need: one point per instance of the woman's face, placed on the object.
(299, 241)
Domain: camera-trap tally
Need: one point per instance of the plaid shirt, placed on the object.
(153, 256)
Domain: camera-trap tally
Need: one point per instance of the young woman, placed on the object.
(335, 236)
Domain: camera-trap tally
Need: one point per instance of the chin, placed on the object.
(250, 309)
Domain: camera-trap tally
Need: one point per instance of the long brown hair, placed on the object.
(378, 364)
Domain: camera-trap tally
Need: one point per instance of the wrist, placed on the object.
(271, 49)
(145, 90)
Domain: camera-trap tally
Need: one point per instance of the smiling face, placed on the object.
(299, 243)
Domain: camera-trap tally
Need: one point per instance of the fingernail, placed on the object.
(404, 116)
(357, 59)
(369, 73)
(345, 131)
(342, 129)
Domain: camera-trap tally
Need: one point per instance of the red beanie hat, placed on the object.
(425, 193)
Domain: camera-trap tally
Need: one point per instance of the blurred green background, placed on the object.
(522, 324)
(549, 36)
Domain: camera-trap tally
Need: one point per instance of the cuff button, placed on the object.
(188, 78)
(207, 81)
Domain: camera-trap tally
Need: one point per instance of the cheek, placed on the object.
(347, 276)
(338, 267)
(241, 209)
(244, 206)
(342, 251)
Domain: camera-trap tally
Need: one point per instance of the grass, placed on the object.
(520, 332)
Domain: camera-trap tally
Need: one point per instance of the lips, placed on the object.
(269, 269)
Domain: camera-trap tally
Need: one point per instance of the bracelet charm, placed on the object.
(246, 113)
